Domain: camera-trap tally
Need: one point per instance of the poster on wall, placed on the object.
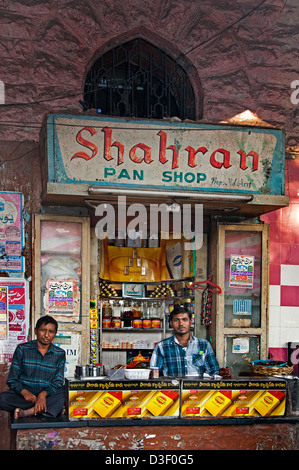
(18, 316)
(3, 314)
(241, 271)
(11, 232)
(61, 297)
(240, 345)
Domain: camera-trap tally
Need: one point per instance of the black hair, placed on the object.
(45, 320)
(178, 309)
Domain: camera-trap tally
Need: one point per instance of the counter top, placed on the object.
(64, 422)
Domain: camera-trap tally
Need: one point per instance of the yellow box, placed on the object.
(268, 402)
(161, 401)
(107, 404)
(219, 402)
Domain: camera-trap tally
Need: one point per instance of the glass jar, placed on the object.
(155, 310)
(136, 310)
(116, 309)
(146, 309)
(106, 309)
(127, 306)
(127, 315)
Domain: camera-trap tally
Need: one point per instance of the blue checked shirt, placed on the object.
(173, 360)
(35, 372)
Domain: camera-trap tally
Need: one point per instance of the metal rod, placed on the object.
(93, 190)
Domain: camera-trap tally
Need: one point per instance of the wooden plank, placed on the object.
(215, 437)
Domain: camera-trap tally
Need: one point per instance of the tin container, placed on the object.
(101, 369)
(82, 371)
(116, 322)
(137, 323)
(94, 371)
(146, 323)
(106, 322)
(156, 323)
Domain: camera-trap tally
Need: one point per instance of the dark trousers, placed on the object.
(11, 400)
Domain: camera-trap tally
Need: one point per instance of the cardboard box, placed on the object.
(233, 398)
(104, 399)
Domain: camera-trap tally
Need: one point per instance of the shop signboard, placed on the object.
(142, 154)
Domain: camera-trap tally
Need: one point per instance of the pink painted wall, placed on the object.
(284, 268)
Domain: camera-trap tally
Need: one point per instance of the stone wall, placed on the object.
(245, 54)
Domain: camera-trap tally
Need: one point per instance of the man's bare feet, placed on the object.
(19, 413)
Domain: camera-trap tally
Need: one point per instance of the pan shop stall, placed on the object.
(176, 398)
(209, 182)
(179, 414)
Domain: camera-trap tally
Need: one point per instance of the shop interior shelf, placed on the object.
(128, 329)
(147, 298)
(154, 283)
(122, 349)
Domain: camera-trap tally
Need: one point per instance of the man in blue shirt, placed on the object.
(183, 354)
(36, 377)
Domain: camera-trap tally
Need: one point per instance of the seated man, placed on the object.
(183, 354)
(36, 377)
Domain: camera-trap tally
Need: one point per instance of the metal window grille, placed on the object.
(136, 79)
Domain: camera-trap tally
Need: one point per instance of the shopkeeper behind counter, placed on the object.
(183, 354)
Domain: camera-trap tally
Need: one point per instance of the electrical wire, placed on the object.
(8, 160)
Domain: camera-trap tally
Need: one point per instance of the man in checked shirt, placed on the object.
(36, 377)
(183, 354)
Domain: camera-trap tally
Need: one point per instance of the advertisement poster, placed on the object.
(11, 232)
(240, 346)
(18, 316)
(246, 399)
(61, 297)
(3, 314)
(241, 271)
(94, 399)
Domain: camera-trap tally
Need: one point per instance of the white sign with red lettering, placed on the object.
(154, 154)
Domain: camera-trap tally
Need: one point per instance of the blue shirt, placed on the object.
(174, 360)
(35, 372)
